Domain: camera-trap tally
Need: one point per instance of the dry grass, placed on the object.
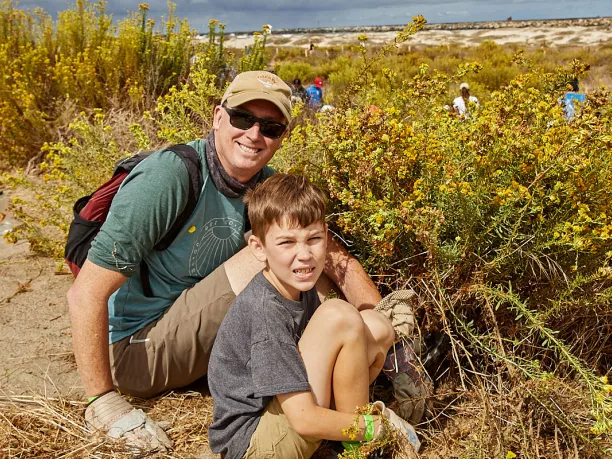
(489, 419)
(34, 426)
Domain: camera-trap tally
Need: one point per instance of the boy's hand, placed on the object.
(397, 307)
(115, 417)
(397, 422)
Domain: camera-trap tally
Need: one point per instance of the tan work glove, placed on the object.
(403, 426)
(115, 417)
(398, 308)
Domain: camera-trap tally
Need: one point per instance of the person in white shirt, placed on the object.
(460, 104)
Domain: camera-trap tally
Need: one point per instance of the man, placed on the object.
(314, 93)
(163, 342)
(461, 103)
(298, 93)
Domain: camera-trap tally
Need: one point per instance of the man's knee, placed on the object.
(241, 268)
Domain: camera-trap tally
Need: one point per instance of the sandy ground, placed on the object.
(35, 347)
(572, 35)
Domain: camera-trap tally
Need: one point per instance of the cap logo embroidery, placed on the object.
(267, 81)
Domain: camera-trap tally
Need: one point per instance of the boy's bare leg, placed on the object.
(334, 350)
(380, 335)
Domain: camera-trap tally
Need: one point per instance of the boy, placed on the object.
(281, 359)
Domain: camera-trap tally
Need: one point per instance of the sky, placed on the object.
(247, 15)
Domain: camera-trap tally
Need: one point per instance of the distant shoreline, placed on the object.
(549, 32)
(585, 22)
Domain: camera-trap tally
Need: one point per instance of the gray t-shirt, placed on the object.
(254, 358)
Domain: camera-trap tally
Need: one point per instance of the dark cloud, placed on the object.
(247, 15)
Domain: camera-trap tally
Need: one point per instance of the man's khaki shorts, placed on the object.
(174, 351)
(275, 438)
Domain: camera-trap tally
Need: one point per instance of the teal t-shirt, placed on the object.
(142, 211)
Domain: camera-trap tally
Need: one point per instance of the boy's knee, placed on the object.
(380, 327)
(342, 316)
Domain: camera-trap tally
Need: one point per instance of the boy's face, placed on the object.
(294, 257)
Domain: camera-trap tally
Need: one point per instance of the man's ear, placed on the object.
(217, 117)
(257, 248)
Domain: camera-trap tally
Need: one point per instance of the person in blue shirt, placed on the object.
(314, 93)
(569, 99)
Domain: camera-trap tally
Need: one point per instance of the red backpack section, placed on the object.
(90, 212)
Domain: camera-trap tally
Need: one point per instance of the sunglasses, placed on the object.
(245, 120)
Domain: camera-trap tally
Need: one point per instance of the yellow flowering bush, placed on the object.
(82, 61)
(500, 220)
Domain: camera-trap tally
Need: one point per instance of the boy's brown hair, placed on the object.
(281, 197)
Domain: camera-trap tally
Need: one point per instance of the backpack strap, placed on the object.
(191, 159)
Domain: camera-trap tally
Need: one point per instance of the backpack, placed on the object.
(90, 211)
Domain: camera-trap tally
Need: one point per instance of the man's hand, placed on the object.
(398, 308)
(115, 417)
(404, 427)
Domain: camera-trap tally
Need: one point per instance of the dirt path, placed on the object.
(35, 346)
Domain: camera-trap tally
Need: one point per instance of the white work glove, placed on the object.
(398, 308)
(115, 417)
(404, 427)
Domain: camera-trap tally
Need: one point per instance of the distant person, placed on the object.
(569, 99)
(461, 103)
(298, 92)
(314, 93)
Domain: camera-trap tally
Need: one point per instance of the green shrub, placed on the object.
(501, 221)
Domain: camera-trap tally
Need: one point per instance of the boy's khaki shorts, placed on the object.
(275, 438)
(174, 351)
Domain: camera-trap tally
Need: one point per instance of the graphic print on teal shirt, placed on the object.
(220, 238)
(213, 233)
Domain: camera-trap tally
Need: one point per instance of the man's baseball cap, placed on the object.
(318, 82)
(464, 86)
(259, 85)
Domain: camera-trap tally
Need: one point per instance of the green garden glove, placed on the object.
(398, 308)
(116, 418)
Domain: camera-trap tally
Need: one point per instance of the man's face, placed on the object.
(294, 256)
(244, 153)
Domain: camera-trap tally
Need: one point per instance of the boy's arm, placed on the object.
(350, 277)
(310, 420)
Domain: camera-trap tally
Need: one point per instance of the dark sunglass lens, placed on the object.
(241, 120)
(244, 120)
(272, 129)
